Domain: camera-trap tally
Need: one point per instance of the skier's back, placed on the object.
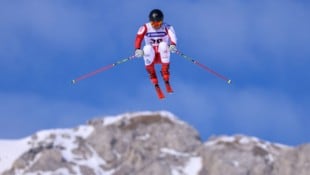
(159, 39)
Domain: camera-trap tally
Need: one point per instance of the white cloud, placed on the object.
(263, 112)
(209, 108)
(23, 114)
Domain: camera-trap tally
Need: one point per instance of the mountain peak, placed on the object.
(134, 117)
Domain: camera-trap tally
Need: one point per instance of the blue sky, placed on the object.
(263, 46)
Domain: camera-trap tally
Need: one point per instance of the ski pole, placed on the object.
(203, 66)
(104, 68)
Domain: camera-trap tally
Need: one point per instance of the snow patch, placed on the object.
(271, 149)
(67, 138)
(174, 152)
(108, 120)
(236, 163)
(10, 150)
(144, 137)
(192, 167)
(58, 171)
(242, 140)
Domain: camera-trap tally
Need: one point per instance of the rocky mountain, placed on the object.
(147, 143)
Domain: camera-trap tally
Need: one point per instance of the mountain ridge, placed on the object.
(146, 143)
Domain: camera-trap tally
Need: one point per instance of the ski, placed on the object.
(168, 87)
(159, 92)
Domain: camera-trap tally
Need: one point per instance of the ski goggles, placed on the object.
(156, 24)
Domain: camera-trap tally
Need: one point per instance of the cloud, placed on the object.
(266, 113)
(24, 114)
(211, 109)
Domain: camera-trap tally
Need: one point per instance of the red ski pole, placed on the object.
(203, 66)
(104, 68)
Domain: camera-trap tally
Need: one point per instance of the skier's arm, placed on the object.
(140, 36)
(172, 36)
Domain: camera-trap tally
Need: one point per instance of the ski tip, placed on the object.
(229, 81)
(161, 97)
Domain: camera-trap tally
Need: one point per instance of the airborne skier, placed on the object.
(160, 39)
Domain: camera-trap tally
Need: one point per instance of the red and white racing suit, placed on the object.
(156, 49)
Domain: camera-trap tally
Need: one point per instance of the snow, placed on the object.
(242, 140)
(67, 138)
(144, 137)
(192, 167)
(10, 150)
(173, 152)
(108, 120)
(81, 131)
(59, 171)
(236, 163)
(270, 148)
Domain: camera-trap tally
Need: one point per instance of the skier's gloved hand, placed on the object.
(139, 53)
(173, 48)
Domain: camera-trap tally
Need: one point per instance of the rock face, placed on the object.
(152, 143)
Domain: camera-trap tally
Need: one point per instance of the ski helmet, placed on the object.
(156, 15)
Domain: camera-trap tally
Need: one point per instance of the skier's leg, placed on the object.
(165, 62)
(165, 71)
(152, 73)
(163, 49)
(149, 56)
(166, 76)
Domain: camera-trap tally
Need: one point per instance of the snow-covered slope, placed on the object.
(10, 150)
(145, 143)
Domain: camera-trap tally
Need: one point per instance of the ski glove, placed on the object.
(139, 53)
(173, 48)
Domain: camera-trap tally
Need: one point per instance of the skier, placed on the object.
(160, 39)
